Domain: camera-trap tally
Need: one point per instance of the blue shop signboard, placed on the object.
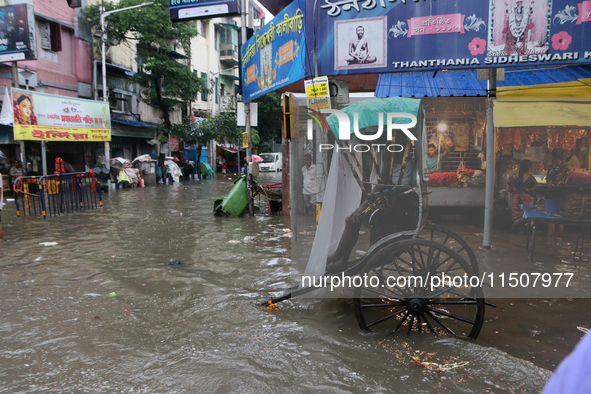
(276, 55)
(379, 36)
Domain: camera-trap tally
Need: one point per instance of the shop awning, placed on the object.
(172, 54)
(428, 84)
(227, 149)
(175, 54)
(230, 76)
(568, 81)
(132, 129)
(133, 134)
(530, 112)
(228, 25)
(124, 70)
(133, 123)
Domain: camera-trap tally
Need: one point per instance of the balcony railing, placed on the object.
(229, 54)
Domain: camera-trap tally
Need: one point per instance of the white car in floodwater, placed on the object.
(271, 162)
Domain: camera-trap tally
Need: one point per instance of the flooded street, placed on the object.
(156, 295)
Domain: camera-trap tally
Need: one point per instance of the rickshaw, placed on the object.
(402, 244)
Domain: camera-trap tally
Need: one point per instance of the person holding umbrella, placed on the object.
(255, 159)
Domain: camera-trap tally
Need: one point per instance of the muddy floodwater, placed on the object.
(154, 294)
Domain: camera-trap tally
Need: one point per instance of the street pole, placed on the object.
(490, 161)
(16, 84)
(103, 24)
(247, 115)
(44, 157)
(213, 144)
(104, 82)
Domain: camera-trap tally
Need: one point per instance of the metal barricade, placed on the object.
(56, 195)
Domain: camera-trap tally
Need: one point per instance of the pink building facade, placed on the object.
(63, 67)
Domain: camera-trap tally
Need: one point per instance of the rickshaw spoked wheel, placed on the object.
(385, 301)
(451, 239)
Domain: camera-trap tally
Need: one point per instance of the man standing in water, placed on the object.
(359, 49)
(309, 187)
(15, 172)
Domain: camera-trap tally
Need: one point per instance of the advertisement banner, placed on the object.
(276, 55)
(379, 36)
(17, 33)
(185, 10)
(317, 93)
(47, 117)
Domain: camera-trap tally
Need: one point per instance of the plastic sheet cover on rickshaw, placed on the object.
(343, 191)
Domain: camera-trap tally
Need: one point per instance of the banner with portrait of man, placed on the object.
(382, 36)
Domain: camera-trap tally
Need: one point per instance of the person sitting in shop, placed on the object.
(568, 158)
(522, 186)
(434, 158)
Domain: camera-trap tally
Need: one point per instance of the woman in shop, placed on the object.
(562, 159)
(522, 186)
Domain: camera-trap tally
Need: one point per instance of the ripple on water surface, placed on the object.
(105, 311)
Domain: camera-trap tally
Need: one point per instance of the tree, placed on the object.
(269, 115)
(255, 137)
(165, 80)
(201, 133)
(226, 129)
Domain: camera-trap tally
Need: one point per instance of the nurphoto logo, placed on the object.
(344, 132)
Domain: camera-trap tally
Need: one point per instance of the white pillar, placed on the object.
(490, 162)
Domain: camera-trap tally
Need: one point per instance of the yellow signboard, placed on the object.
(316, 90)
(53, 133)
(318, 94)
(47, 117)
(245, 140)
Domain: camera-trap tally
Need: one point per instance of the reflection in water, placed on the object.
(103, 311)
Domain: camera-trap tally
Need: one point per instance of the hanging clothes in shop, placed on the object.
(461, 136)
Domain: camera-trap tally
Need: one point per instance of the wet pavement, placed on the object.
(109, 309)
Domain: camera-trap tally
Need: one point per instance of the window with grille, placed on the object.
(120, 102)
(228, 42)
(50, 36)
(204, 94)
